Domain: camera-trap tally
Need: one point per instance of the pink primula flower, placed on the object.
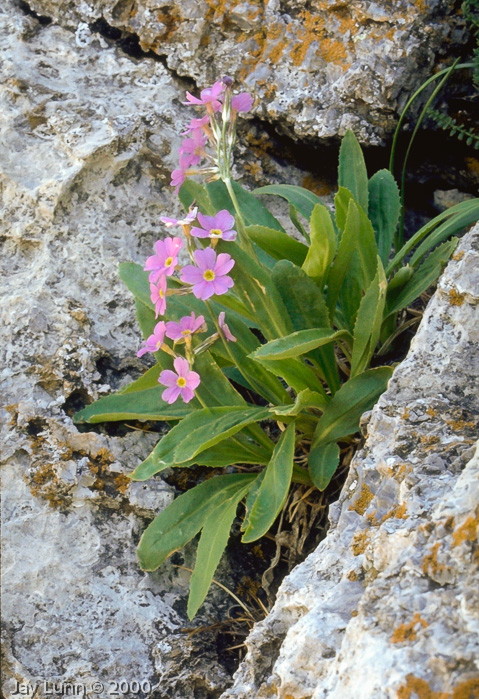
(242, 102)
(209, 276)
(182, 383)
(224, 328)
(185, 328)
(189, 218)
(154, 342)
(178, 175)
(165, 260)
(158, 296)
(196, 124)
(219, 226)
(194, 147)
(209, 96)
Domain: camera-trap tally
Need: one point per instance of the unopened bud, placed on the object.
(226, 80)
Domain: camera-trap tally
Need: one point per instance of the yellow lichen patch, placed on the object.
(421, 5)
(372, 519)
(468, 689)
(122, 483)
(353, 576)
(319, 187)
(406, 414)
(473, 165)
(467, 531)
(417, 688)
(354, 612)
(455, 298)
(408, 631)
(431, 565)
(360, 505)
(431, 412)
(400, 472)
(359, 542)
(459, 425)
(458, 255)
(398, 512)
(334, 51)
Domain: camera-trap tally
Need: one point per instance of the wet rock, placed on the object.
(387, 605)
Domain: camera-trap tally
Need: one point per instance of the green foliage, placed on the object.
(308, 318)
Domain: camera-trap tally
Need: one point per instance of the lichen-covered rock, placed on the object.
(318, 68)
(387, 606)
(84, 177)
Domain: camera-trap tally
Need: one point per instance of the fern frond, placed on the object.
(447, 123)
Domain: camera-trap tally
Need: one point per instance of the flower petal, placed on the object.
(168, 378)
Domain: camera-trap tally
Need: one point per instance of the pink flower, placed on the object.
(178, 176)
(185, 328)
(224, 328)
(209, 277)
(219, 226)
(165, 260)
(181, 384)
(196, 124)
(154, 342)
(210, 96)
(189, 218)
(158, 296)
(194, 147)
(242, 102)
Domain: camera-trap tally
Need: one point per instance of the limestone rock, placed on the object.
(387, 606)
(84, 175)
(317, 68)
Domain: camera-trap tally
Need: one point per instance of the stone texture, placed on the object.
(84, 169)
(387, 606)
(318, 68)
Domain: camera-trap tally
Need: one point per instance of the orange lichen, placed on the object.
(455, 298)
(359, 542)
(467, 531)
(360, 505)
(468, 689)
(417, 688)
(431, 565)
(334, 51)
(408, 631)
(473, 165)
(319, 187)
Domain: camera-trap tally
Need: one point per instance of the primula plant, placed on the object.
(264, 343)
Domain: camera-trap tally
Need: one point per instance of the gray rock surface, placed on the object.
(387, 606)
(318, 68)
(84, 170)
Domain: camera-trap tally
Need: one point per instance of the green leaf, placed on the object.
(323, 245)
(198, 431)
(185, 516)
(237, 450)
(254, 212)
(274, 488)
(293, 215)
(341, 206)
(352, 172)
(213, 540)
(353, 398)
(254, 287)
(467, 212)
(304, 399)
(302, 199)
(298, 343)
(423, 277)
(384, 210)
(347, 247)
(307, 309)
(278, 244)
(193, 192)
(136, 279)
(296, 374)
(368, 322)
(323, 462)
(137, 405)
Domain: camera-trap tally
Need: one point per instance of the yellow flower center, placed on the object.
(208, 275)
(161, 294)
(181, 382)
(216, 232)
(186, 332)
(158, 344)
(168, 261)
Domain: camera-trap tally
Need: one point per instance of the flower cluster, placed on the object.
(207, 274)
(215, 129)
